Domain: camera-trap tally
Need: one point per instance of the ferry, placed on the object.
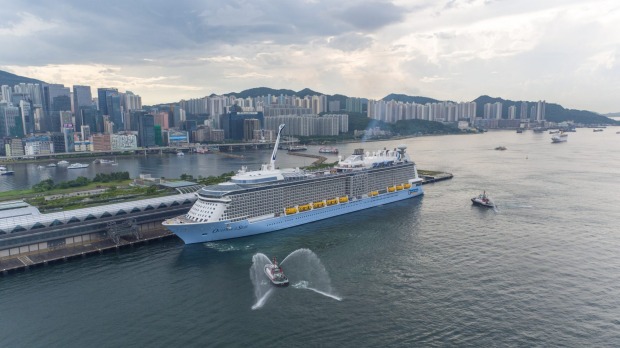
(77, 166)
(271, 199)
(329, 149)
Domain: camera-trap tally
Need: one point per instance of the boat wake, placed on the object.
(303, 269)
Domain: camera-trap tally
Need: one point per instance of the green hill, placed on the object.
(553, 112)
(6, 78)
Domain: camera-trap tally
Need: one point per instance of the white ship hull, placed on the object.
(213, 231)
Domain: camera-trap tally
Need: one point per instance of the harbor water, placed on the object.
(540, 270)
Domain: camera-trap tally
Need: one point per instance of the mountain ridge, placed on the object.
(554, 112)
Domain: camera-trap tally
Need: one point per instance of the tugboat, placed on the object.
(275, 274)
(483, 200)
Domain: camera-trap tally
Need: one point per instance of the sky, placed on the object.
(564, 52)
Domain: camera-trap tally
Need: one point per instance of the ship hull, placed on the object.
(207, 232)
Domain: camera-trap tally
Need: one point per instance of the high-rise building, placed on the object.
(82, 97)
(249, 126)
(146, 130)
(102, 97)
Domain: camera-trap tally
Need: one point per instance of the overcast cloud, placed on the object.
(563, 52)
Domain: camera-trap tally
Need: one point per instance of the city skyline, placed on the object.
(458, 50)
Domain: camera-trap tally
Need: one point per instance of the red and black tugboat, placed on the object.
(483, 200)
(275, 274)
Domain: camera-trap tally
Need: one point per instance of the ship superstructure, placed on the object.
(270, 199)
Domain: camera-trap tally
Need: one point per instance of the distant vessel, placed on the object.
(275, 274)
(63, 163)
(77, 166)
(271, 199)
(554, 132)
(328, 149)
(559, 138)
(597, 130)
(500, 148)
(5, 171)
(294, 148)
(52, 165)
(106, 161)
(519, 130)
(483, 200)
(180, 153)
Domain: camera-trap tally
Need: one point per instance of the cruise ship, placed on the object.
(270, 199)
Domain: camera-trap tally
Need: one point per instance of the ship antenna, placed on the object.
(272, 163)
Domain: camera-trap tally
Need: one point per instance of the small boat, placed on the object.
(500, 148)
(554, 132)
(52, 165)
(77, 166)
(294, 148)
(40, 167)
(483, 200)
(63, 163)
(519, 130)
(275, 274)
(597, 130)
(106, 161)
(328, 149)
(180, 153)
(559, 138)
(5, 171)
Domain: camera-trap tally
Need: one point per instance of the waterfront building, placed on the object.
(125, 141)
(250, 125)
(176, 138)
(38, 146)
(101, 142)
(233, 123)
(14, 147)
(69, 138)
(146, 130)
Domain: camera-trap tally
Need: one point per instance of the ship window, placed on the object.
(135, 210)
(162, 205)
(121, 212)
(90, 217)
(149, 207)
(105, 215)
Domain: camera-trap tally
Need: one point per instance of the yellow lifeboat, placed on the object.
(407, 185)
(343, 199)
(399, 187)
(290, 211)
(391, 188)
(319, 204)
(332, 201)
(373, 193)
(304, 207)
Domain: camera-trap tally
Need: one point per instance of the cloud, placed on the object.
(368, 48)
